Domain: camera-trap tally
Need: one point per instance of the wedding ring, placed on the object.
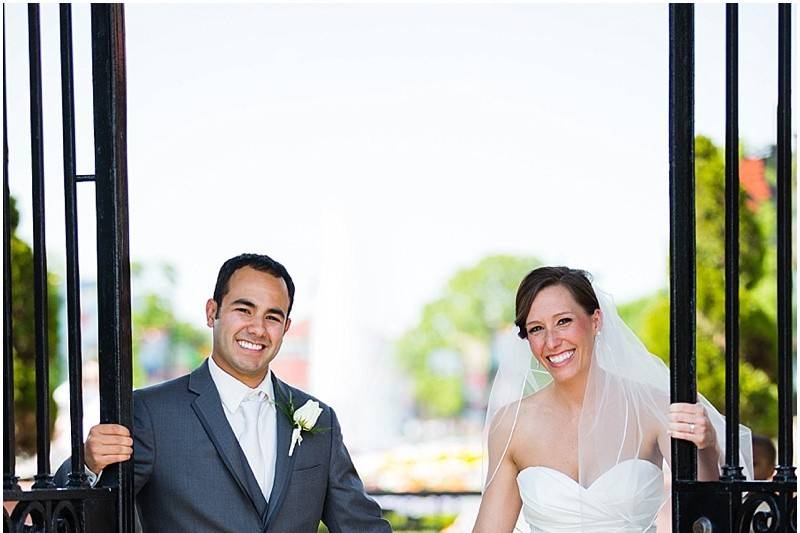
(691, 428)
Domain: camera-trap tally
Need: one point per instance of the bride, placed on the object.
(577, 435)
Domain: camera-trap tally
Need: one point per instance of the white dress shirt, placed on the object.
(232, 392)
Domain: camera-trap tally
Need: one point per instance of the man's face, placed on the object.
(248, 327)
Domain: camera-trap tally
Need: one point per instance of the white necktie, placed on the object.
(249, 439)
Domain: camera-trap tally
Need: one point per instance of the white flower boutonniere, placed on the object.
(302, 419)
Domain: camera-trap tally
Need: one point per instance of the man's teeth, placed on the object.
(560, 358)
(249, 345)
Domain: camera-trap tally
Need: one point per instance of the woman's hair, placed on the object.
(577, 282)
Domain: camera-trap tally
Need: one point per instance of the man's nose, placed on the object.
(257, 326)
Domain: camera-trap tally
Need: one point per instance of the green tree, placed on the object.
(184, 345)
(649, 317)
(24, 339)
(455, 331)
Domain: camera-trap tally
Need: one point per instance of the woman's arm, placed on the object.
(689, 421)
(501, 502)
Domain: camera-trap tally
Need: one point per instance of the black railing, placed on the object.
(77, 506)
(682, 230)
(785, 469)
(731, 504)
(9, 444)
(732, 471)
(43, 477)
(77, 476)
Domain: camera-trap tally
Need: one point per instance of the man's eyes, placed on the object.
(245, 310)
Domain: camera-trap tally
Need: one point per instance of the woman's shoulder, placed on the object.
(520, 413)
(541, 399)
(537, 411)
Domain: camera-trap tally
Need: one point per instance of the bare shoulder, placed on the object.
(524, 409)
(537, 407)
(535, 420)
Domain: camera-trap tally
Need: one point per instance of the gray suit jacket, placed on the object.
(191, 475)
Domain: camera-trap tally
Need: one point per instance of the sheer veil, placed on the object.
(625, 405)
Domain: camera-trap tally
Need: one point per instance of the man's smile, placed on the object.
(247, 345)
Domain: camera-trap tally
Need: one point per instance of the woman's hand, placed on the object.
(688, 421)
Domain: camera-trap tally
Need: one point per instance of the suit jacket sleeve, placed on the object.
(347, 507)
(143, 449)
(144, 445)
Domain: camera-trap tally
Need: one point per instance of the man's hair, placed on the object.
(577, 282)
(262, 263)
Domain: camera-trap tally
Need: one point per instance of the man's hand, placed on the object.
(107, 444)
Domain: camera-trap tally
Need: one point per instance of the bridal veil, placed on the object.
(626, 400)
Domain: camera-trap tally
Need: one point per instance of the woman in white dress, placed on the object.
(578, 434)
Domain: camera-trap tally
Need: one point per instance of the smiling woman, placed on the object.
(558, 328)
(579, 430)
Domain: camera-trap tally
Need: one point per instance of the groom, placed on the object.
(217, 450)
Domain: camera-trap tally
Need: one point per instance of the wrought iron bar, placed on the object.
(43, 479)
(114, 314)
(731, 470)
(785, 470)
(84, 177)
(77, 476)
(682, 226)
(740, 506)
(9, 447)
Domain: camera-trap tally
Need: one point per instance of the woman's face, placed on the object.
(560, 333)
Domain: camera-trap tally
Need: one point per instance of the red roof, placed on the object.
(753, 179)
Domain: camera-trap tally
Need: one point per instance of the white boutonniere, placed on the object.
(302, 419)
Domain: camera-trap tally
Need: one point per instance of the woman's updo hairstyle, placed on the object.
(577, 282)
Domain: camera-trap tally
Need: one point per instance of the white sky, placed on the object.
(419, 138)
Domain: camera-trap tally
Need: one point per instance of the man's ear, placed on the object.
(211, 312)
(286, 327)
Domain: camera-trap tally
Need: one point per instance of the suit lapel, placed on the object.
(208, 408)
(283, 463)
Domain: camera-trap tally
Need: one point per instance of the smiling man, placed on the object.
(219, 449)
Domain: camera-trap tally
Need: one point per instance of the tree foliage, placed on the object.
(24, 339)
(454, 332)
(152, 310)
(181, 345)
(649, 317)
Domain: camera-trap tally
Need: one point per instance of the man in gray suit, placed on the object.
(219, 450)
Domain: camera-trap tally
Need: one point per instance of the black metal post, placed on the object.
(42, 477)
(77, 476)
(9, 447)
(785, 470)
(114, 314)
(682, 226)
(731, 470)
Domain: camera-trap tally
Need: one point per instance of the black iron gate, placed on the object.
(730, 504)
(77, 507)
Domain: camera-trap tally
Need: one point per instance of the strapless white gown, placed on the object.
(624, 499)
